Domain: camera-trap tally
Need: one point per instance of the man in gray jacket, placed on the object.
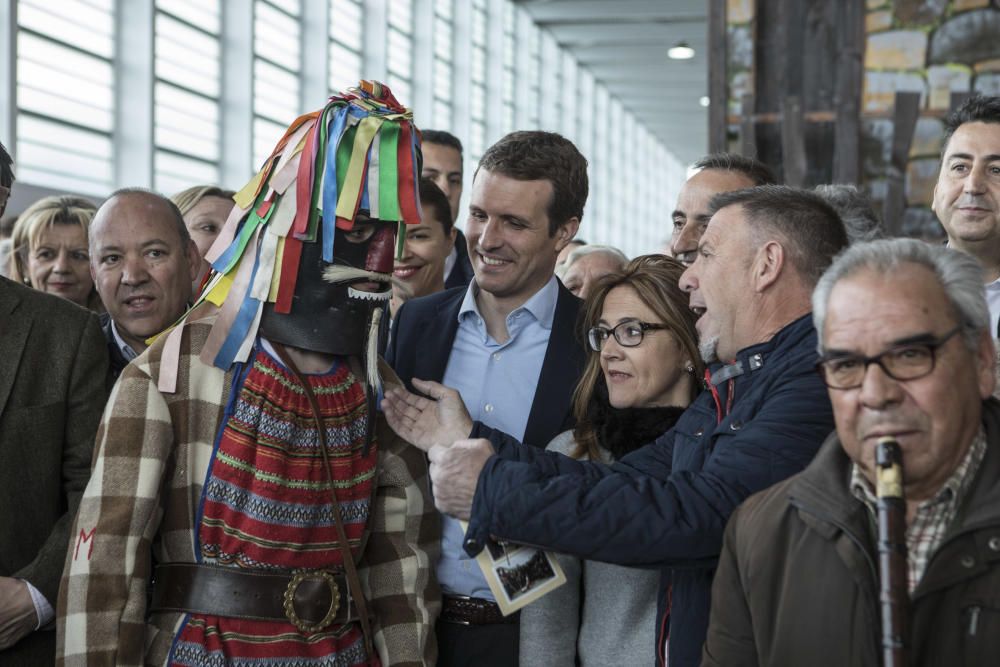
(53, 364)
(906, 352)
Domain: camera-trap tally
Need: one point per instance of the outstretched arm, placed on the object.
(640, 511)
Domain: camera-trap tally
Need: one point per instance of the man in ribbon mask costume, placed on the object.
(269, 540)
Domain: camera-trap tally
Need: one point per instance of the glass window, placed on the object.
(65, 94)
(276, 73)
(186, 90)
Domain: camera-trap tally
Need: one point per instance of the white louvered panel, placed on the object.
(65, 94)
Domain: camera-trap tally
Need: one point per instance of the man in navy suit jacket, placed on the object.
(506, 343)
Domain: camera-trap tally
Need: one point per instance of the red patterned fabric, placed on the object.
(267, 506)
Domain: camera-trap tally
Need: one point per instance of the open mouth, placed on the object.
(366, 285)
(139, 303)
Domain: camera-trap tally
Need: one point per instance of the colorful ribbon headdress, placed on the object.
(361, 151)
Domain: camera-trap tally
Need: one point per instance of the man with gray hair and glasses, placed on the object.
(905, 350)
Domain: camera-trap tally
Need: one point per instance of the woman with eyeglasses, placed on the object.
(643, 372)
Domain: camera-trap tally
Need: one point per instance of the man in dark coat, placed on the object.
(52, 391)
(506, 343)
(443, 164)
(761, 420)
(906, 351)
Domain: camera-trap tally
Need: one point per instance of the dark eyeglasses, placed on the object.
(628, 334)
(903, 362)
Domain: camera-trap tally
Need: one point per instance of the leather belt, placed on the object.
(310, 599)
(473, 611)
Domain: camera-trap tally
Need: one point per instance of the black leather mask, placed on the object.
(335, 318)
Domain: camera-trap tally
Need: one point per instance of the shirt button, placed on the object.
(967, 562)
(488, 407)
(496, 356)
(994, 544)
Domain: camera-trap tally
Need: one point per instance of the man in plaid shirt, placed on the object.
(241, 466)
(906, 351)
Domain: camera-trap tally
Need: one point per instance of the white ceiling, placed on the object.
(624, 45)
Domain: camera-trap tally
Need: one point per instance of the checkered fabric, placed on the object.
(152, 457)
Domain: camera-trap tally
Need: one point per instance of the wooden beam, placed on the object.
(793, 142)
(847, 135)
(718, 78)
(904, 121)
(957, 99)
(748, 128)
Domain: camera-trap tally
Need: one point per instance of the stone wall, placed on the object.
(933, 47)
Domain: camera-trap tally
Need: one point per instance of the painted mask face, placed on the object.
(334, 318)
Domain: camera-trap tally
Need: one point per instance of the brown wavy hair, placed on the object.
(655, 279)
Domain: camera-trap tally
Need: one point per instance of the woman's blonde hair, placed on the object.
(188, 199)
(655, 279)
(39, 217)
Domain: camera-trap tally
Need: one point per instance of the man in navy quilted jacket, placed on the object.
(761, 419)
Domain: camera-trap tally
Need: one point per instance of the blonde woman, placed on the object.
(49, 249)
(205, 209)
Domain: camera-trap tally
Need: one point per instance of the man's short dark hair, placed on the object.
(813, 231)
(755, 170)
(976, 109)
(441, 137)
(175, 212)
(543, 156)
(6, 170)
(433, 201)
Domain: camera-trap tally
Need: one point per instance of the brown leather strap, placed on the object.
(236, 593)
(353, 580)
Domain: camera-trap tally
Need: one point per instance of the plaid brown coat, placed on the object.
(153, 452)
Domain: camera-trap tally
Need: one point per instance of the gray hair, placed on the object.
(959, 275)
(585, 250)
(855, 209)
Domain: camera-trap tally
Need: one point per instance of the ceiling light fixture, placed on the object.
(680, 51)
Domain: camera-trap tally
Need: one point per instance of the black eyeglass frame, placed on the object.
(931, 345)
(613, 331)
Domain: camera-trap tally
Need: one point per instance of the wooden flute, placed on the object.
(894, 592)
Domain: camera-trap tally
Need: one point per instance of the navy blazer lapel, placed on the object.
(13, 336)
(561, 370)
(436, 338)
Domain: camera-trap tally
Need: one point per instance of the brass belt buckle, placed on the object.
(297, 578)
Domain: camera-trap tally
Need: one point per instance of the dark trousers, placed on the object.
(493, 645)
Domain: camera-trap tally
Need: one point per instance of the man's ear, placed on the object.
(565, 233)
(768, 265)
(194, 260)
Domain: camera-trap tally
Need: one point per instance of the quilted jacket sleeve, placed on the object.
(640, 511)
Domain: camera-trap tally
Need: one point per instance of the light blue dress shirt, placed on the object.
(497, 383)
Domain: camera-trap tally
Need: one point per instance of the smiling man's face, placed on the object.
(967, 194)
(511, 249)
(933, 417)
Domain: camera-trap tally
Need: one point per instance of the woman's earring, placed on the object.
(689, 368)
